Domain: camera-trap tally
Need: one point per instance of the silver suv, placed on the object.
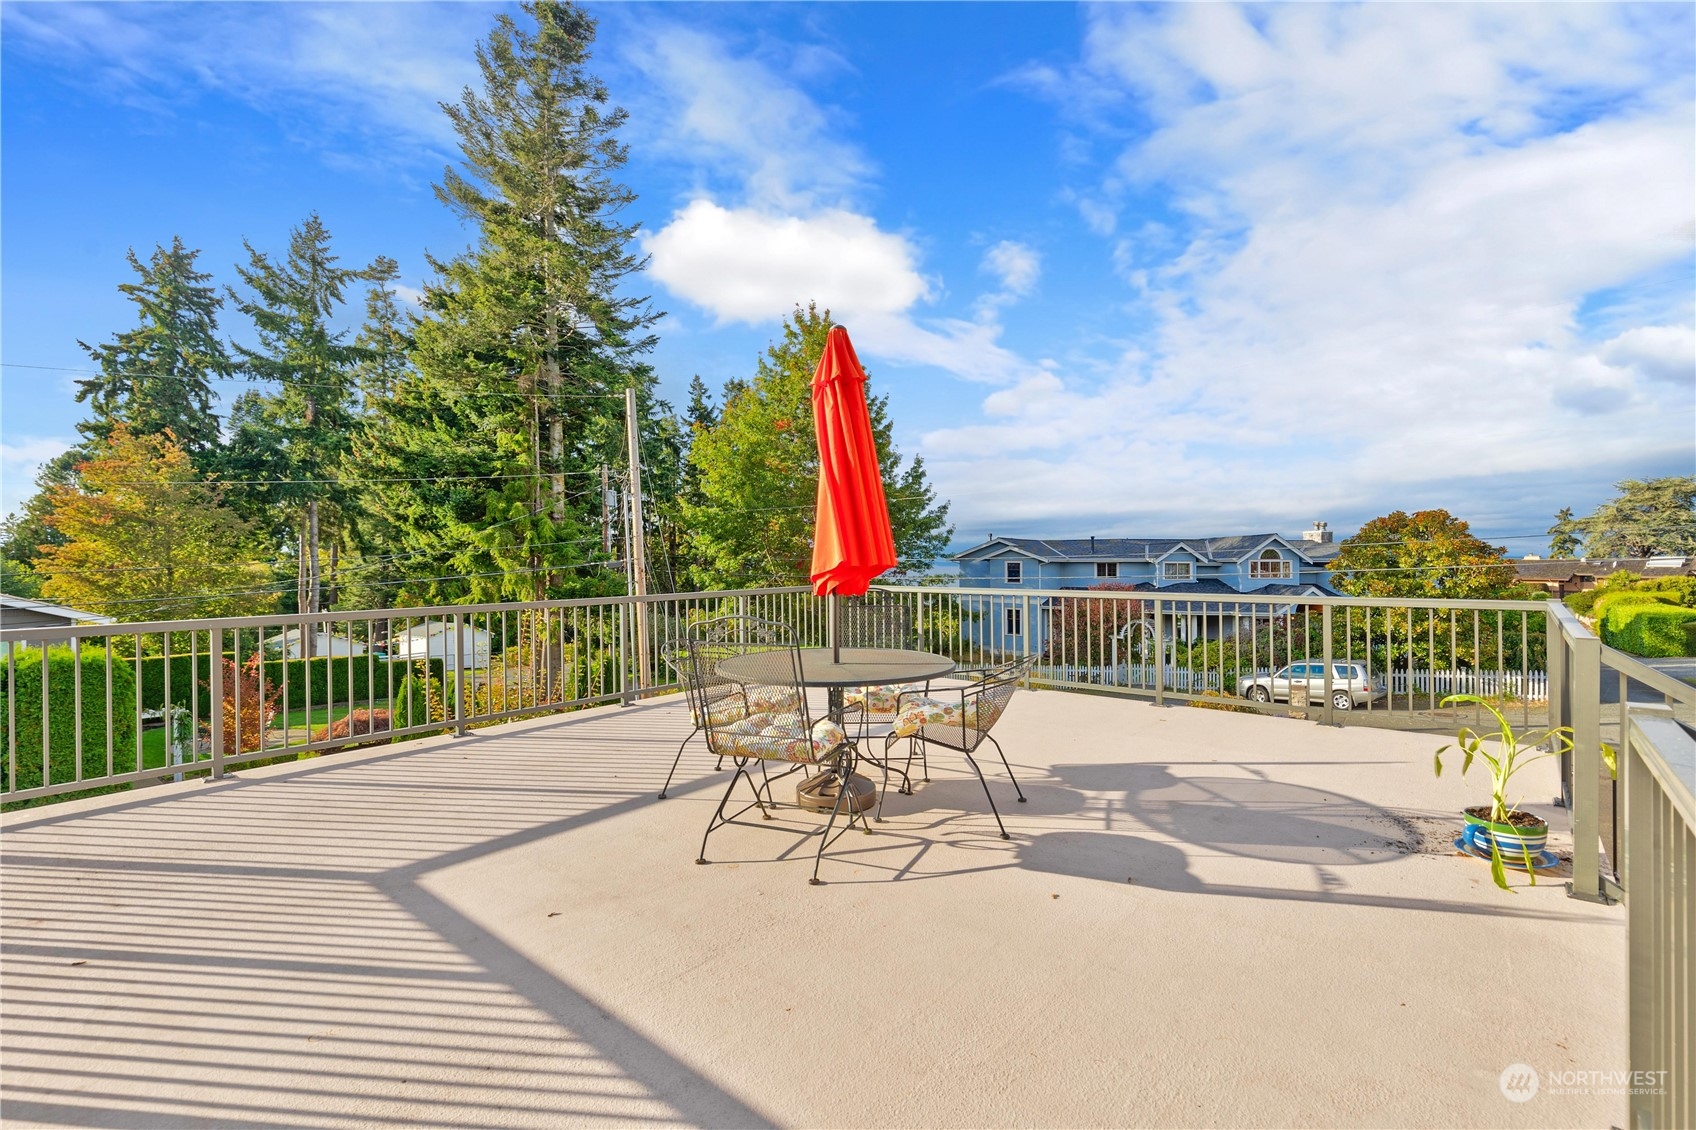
(1350, 686)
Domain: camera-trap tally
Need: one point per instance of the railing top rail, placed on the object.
(1569, 621)
(1231, 597)
(1669, 751)
(302, 619)
(1634, 668)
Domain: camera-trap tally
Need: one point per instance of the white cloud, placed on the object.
(1016, 265)
(1661, 353)
(361, 82)
(20, 461)
(1386, 221)
(783, 226)
(738, 116)
(745, 265)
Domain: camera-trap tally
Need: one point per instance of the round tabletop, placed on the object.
(861, 667)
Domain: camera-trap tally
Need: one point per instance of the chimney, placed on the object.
(1092, 545)
(1320, 533)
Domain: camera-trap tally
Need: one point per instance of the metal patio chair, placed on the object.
(959, 718)
(770, 721)
(702, 697)
(878, 619)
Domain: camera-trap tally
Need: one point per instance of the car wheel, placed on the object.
(1342, 700)
(1259, 694)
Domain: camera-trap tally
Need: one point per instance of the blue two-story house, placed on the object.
(1202, 569)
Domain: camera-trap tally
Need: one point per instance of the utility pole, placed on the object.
(637, 548)
(606, 516)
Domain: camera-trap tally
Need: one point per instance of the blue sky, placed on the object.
(1157, 270)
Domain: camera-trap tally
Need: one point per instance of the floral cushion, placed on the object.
(759, 700)
(916, 714)
(882, 700)
(774, 738)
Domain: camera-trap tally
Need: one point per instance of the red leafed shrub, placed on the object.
(257, 710)
(353, 724)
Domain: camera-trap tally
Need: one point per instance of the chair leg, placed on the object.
(718, 815)
(679, 758)
(970, 761)
(845, 768)
(1007, 767)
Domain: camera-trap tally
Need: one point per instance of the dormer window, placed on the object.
(1015, 572)
(1105, 569)
(1176, 571)
(1269, 567)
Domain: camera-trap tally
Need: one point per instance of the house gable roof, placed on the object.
(1207, 550)
(71, 615)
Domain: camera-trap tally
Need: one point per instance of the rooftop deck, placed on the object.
(1202, 918)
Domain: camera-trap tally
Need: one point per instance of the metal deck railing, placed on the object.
(105, 707)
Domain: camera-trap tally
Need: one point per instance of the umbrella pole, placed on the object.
(835, 630)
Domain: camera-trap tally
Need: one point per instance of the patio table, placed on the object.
(856, 667)
(859, 667)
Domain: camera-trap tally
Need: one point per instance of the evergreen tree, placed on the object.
(526, 344)
(1565, 535)
(315, 370)
(1646, 518)
(154, 377)
(758, 474)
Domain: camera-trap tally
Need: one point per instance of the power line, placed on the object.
(341, 481)
(351, 384)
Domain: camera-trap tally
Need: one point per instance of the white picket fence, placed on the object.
(1532, 685)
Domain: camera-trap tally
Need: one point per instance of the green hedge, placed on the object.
(61, 684)
(1648, 629)
(1629, 598)
(187, 674)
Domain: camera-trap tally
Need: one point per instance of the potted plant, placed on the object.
(1498, 827)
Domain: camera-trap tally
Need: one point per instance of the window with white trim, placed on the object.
(1015, 572)
(1176, 570)
(1015, 621)
(1270, 567)
(1106, 569)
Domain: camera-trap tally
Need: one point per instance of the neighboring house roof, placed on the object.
(1566, 568)
(45, 613)
(1209, 550)
(1220, 588)
(1241, 599)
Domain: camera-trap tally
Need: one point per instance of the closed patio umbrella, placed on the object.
(852, 542)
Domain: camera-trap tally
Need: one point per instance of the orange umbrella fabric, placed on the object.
(852, 541)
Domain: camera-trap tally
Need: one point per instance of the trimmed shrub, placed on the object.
(1582, 602)
(1629, 598)
(61, 721)
(1649, 629)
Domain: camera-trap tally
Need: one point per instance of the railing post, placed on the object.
(1329, 712)
(1025, 630)
(458, 673)
(1559, 697)
(1159, 652)
(1585, 690)
(215, 662)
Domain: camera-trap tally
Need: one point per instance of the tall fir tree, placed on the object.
(1565, 535)
(526, 341)
(757, 470)
(154, 378)
(306, 422)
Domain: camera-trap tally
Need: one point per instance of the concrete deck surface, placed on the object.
(1202, 919)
